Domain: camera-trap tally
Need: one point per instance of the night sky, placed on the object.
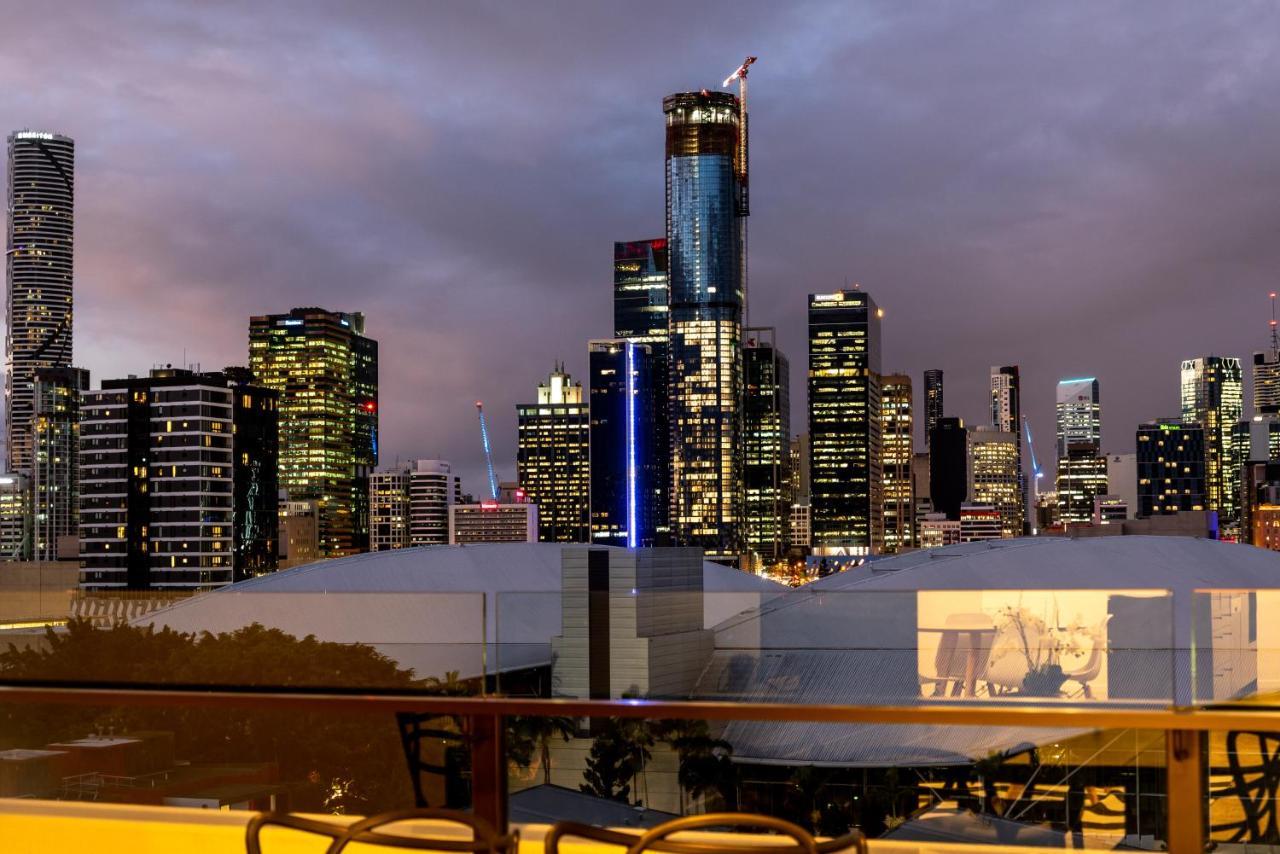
(1082, 189)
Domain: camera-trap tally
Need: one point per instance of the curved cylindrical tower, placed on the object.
(39, 274)
(706, 240)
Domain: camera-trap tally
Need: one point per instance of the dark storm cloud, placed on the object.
(1078, 188)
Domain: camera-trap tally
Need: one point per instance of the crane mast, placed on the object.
(1036, 473)
(488, 454)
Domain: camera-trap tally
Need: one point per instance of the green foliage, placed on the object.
(618, 753)
(340, 762)
(527, 736)
(706, 764)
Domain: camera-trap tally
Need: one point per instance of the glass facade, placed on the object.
(1079, 413)
(39, 271)
(1212, 396)
(553, 460)
(55, 475)
(844, 423)
(767, 446)
(896, 447)
(626, 485)
(933, 401)
(1266, 383)
(1006, 415)
(993, 476)
(641, 315)
(706, 241)
(1082, 476)
(325, 371)
(1171, 467)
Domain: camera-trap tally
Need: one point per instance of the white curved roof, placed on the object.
(866, 636)
(475, 609)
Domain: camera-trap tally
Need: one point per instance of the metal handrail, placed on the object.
(958, 712)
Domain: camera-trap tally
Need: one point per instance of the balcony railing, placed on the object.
(1184, 729)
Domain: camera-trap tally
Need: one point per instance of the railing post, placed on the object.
(489, 770)
(1185, 782)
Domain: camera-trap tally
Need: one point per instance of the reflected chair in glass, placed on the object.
(369, 831)
(657, 838)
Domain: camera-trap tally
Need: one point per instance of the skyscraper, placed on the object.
(896, 447)
(1212, 396)
(1006, 415)
(39, 272)
(1082, 476)
(325, 371)
(993, 476)
(1171, 463)
(933, 403)
(626, 462)
(1266, 372)
(55, 474)
(409, 504)
(553, 458)
(844, 423)
(640, 314)
(1079, 413)
(766, 445)
(949, 467)
(706, 240)
(178, 477)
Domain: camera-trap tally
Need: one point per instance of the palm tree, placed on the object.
(527, 735)
(705, 763)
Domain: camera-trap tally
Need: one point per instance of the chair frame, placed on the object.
(655, 838)
(484, 839)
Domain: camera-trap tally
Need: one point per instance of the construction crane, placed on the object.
(1036, 473)
(488, 454)
(740, 74)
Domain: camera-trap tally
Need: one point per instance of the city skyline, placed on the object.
(261, 172)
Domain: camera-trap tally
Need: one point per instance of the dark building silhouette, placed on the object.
(1171, 467)
(949, 467)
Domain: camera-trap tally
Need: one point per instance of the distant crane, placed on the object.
(488, 454)
(742, 204)
(1036, 473)
(740, 74)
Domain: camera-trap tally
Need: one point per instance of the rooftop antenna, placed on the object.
(1275, 336)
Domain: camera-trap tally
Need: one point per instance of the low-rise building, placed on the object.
(493, 522)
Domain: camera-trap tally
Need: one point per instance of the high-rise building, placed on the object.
(433, 488)
(299, 532)
(933, 402)
(1006, 415)
(801, 523)
(553, 458)
(1082, 476)
(766, 445)
(1122, 479)
(896, 453)
(55, 470)
(981, 522)
(949, 467)
(493, 522)
(1171, 467)
(627, 463)
(1079, 413)
(922, 504)
(325, 371)
(389, 509)
(39, 274)
(1212, 396)
(1266, 383)
(640, 313)
(800, 468)
(706, 181)
(1260, 504)
(993, 476)
(844, 423)
(178, 481)
(14, 517)
(409, 504)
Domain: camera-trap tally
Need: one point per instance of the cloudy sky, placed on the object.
(1083, 188)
